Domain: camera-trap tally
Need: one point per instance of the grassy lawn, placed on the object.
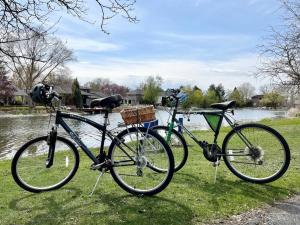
(191, 198)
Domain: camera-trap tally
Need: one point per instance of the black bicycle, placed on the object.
(253, 152)
(139, 160)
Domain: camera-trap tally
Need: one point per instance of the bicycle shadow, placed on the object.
(101, 208)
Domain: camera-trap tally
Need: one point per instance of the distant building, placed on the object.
(88, 95)
(134, 97)
(20, 97)
(256, 99)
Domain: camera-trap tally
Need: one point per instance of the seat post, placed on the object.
(105, 117)
(104, 131)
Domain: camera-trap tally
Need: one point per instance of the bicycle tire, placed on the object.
(260, 157)
(179, 158)
(125, 178)
(18, 159)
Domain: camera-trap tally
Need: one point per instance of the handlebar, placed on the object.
(55, 94)
(174, 94)
(52, 94)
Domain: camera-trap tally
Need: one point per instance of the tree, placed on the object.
(76, 94)
(44, 56)
(6, 87)
(281, 50)
(107, 87)
(60, 78)
(266, 88)
(236, 96)
(20, 20)
(220, 91)
(152, 89)
(246, 90)
(197, 98)
(210, 97)
(97, 84)
(190, 99)
(272, 99)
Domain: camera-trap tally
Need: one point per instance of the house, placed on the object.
(134, 97)
(88, 95)
(20, 97)
(256, 99)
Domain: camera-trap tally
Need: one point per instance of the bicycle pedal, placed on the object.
(96, 166)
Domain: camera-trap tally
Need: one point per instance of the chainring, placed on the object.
(212, 152)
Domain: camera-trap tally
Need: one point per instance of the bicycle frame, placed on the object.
(60, 116)
(202, 144)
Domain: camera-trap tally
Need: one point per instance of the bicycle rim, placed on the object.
(137, 160)
(177, 145)
(30, 165)
(265, 160)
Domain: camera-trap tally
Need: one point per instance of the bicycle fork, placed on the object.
(51, 141)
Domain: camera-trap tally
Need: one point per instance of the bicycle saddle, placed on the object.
(107, 102)
(223, 105)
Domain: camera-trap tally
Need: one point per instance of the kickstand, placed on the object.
(97, 181)
(216, 165)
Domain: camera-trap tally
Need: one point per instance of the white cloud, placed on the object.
(85, 44)
(205, 37)
(175, 72)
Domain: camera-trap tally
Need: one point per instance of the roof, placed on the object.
(20, 92)
(135, 92)
(98, 94)
(84, 93)
(257, 96)
(63, 90)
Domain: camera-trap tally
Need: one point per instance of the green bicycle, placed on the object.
(253, 152)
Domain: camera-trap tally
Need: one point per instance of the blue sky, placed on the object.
(191, 42)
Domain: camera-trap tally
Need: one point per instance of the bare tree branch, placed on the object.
(43, 56)
(281, 51)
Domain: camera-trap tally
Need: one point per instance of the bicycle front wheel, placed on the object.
(29, 168)
(256, 153)
(177, 144)
(142, 162)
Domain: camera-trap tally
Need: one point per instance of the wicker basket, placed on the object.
(138, 114)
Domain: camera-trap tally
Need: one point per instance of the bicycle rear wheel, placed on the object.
(29, 165)
(177, 144)
(142, 162)
(256, 153)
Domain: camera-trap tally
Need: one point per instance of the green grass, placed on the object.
(191, 198)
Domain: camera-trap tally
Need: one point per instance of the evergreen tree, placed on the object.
(76, 94)
(6, 87)
(220, 91)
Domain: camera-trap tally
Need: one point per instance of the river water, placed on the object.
(15, 130)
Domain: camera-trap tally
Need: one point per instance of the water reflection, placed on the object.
(16, 130)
